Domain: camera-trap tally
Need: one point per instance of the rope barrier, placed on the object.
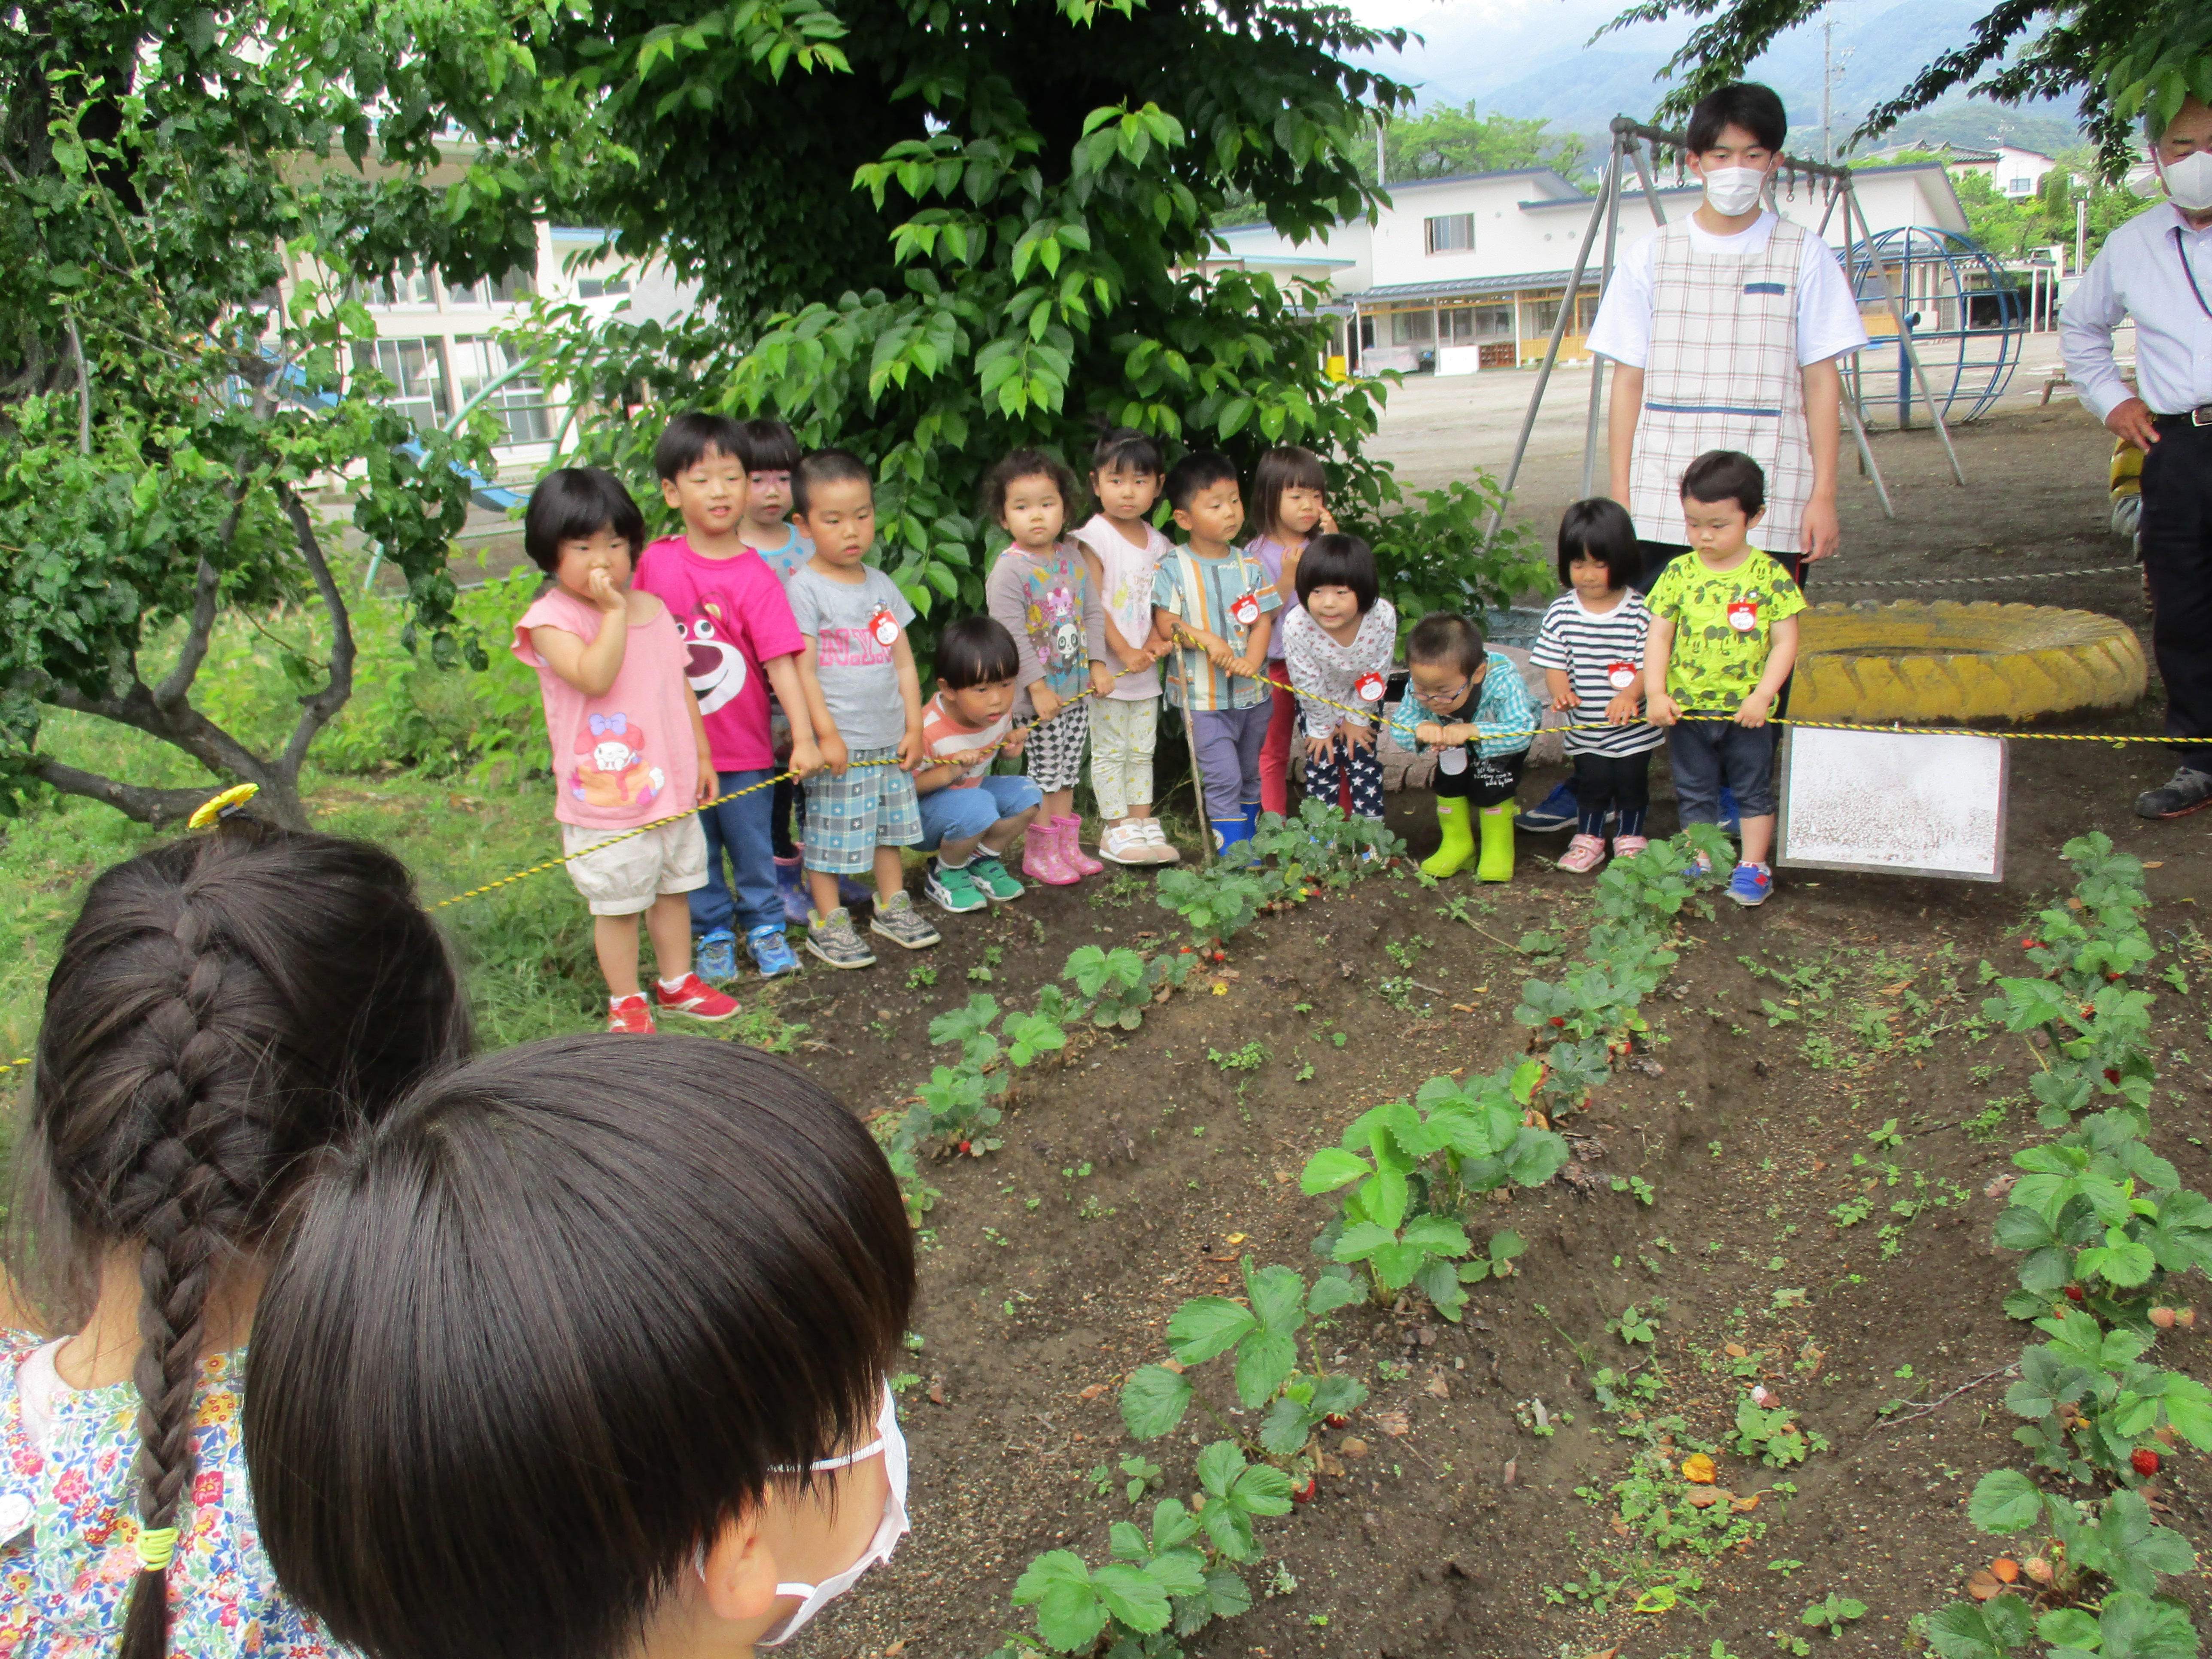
(1954, 581)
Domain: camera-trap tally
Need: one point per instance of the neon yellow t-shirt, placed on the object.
(1723, 627)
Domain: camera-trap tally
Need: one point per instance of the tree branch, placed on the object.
(318, 711)
(145, 804)
(83, 388)
(177, 683)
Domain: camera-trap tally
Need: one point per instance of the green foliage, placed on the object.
(1774, 1436)
(1322, 843)
(1117, 984)
(1833, 1613)
(1445, 140)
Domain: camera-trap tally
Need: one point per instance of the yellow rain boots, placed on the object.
(1497, 862)
(1457, 846)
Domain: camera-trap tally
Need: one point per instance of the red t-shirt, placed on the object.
(732, 616)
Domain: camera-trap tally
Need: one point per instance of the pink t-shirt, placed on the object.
(627, 757)
(732, 616)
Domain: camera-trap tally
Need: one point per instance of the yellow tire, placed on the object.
(1965, 664)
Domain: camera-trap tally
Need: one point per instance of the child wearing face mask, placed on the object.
(1040, 592)
(1451, 672)
(729, 1457)
(1287, 487)
(1336, 647)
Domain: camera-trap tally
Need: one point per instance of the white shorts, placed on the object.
(625, 876)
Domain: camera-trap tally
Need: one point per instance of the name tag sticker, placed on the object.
(1620, 676)
(1743, 615)
(1246, 610)
(1370, 687)
(883, 627)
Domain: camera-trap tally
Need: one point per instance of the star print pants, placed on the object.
(1349, 770)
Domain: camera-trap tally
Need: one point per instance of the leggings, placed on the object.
(1618, 783)
(1487, 782)
(1361, 773)
(786, 796)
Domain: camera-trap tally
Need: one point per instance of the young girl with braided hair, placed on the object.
(225, 1011)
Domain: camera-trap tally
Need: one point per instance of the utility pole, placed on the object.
(2082, 232)
(1382, 157)
(1827, 88)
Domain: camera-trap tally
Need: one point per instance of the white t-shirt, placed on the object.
(1828, 322)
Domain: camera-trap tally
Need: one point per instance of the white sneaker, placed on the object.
(1123, 843)
(1158, 849)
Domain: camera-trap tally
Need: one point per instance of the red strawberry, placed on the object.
(1559, 1019)
(2027, 944)
(2073, 1292)
(1337, 1419)
(2142, 1460)
(1303, 1493)
(2113, 1076)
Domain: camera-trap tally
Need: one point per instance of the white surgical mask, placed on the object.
(1733, 191)
(2189, 181)
(889, 1444)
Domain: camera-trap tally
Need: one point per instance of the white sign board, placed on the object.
(1907, 803)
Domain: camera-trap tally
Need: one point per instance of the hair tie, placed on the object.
(157, 1545)
(218, 807)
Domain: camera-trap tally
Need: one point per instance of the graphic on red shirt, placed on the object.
(612, 769)
(714, 666)
(1743, 615)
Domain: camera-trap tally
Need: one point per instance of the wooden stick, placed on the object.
(1190, 740)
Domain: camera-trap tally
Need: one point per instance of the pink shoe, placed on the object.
(1583, 854)
(1627, 846)
(1041, 857)
(1071, 847)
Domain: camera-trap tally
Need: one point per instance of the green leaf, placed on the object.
(2005, 1501)
(1264, 1360)
(1178, 1572)
(1278, 1298)
(1132, 1595)
(1332, 1167)
(1219, 1466)
(1153, 1402)
(1205, 1327)
(2069, 1627)
(1330, 1293)
(1069, 1613)
(1262, 1489)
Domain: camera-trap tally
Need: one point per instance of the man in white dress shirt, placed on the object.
(2157, 270)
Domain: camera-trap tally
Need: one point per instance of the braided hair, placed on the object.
(224, 1011)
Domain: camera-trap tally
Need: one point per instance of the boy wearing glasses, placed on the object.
(1478, 766)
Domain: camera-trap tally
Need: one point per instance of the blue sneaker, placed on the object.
(1557, 811)
(1751, 886)
(771, 952)
(1731, 820)
(715, 957)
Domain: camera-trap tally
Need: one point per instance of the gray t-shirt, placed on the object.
(859, 674)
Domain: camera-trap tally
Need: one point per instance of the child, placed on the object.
(1123, 550)
(1040, 591)
(1286, 488)
(465, 1445)
(629, 749)
(970, 816)
(864, 702)
(1218, 605)
(225, 1011)
(1590, 648)
(1337, 645)
(738, 639)
(1451, 670)
(1723, 641)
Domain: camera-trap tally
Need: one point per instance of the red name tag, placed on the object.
(1246, 610)
(1370, 687)
(1743, 615)
(1620, 676)
(885, 627)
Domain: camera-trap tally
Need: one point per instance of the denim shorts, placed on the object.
(1704, 755)
(958, 813)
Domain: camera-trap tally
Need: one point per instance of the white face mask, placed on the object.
(1733, 191)
(2189, 181)
(889, 1444)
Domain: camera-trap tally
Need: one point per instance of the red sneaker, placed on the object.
(630, 1014)
(696, 997)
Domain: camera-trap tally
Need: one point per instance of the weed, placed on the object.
(1633, 1324)
(1833, 1613)
(1249, 1058)
(1887, 1137)
(1646, 1192)
(922, 978)
(1772, 1435)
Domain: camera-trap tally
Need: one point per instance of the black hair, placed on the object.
(559, 1319)
(691, 437)
(1029, 464)
(1726, 475)
(572, 501)
(1285, 467)
(1447, 636)
(826, 466)
(976, 651)
(1195, 473)
(225, 1011)
(1123, 448)
(1600, 529)
(766, 447)
(1338, 561)
(1746, 103)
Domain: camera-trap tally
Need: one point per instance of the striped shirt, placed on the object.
(1504, 720)
(943, 735)
(1602, 654)
(1206, 593)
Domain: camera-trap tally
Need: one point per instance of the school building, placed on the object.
(1464, 274)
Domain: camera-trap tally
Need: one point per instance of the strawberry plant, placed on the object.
(1217, 903)
(1116, 983)
(1772, 1435)
(1322, 843)
(2092, 1402)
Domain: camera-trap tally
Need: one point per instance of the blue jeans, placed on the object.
(1706, 754)
(741, 828)
(951, 814)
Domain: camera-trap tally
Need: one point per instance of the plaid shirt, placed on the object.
(1504, 719)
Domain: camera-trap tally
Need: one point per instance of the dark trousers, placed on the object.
(1229, 742)
(1606, 783)
(1707, 754)
(1486, 783)
(2177, 554)
(787, 796)
(1361, 771)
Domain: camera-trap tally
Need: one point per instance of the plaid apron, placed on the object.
(1724, 374)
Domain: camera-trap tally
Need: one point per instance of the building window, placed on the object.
(417, 370)
(1544, 312)
(1414, 328)
(593, 287)
(1466, 325)
(409, 285)
(519, 405)
(2019, 186)
(1451, 232)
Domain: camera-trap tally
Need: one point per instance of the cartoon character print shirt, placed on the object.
(1048, 604)
(628, 756)
(1723, 628)
(733, 618)
(69, 1529)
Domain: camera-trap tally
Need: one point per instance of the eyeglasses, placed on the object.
(1431, 699)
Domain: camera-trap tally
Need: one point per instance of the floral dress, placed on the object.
(68, 1529)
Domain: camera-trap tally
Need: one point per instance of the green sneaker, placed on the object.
(833, 939)
(953, 890)
(897, 921)
(989, 873)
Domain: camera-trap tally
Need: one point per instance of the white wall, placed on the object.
(1507, 240)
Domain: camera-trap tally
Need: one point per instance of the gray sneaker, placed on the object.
(2188, 791)
(832, 939)
(897, 921)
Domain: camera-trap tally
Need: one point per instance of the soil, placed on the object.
(1136, 1171)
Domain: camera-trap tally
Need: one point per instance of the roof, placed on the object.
(1561, 188)
(1290, 260)
(1468, 287)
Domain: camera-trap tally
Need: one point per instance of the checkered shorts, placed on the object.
(1053, 753)
(848, 818)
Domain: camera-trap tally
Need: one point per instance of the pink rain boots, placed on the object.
(1071, 847)
(1042, 858)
